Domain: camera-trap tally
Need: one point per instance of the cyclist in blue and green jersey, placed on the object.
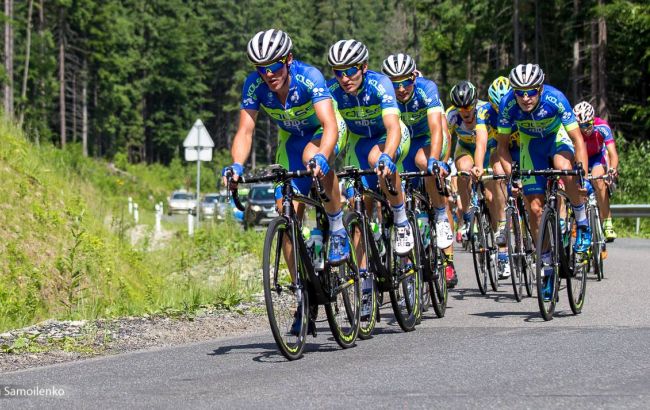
(549, 136)
(422, 112)
(367, 102)
(470, 121)
(296, 97)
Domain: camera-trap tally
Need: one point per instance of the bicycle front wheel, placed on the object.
(576, 282)
(284, 295)
(492, 250)
(405, 290)
(480, 253)
(438, 282)
(343, 313)
(548, 266)
(597, 242)
(515, 253)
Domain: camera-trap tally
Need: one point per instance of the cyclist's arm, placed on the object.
(393, 134)
(503, 152)
(435, 126)
(325, 113)
(581, 149)
(613, 155)
(243, 141)
(481, 144)
(446, 134)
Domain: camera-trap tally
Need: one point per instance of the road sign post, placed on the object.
(198, 147)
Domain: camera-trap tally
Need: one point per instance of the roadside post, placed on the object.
(136, 214)
(190, 223)
(130, 206)
(158, 217)
(198, 147)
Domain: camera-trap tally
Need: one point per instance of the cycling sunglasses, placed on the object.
(407, 82)
(271, 68)
(467, 109)
(347, 72)
(586, 125)
(531, 92)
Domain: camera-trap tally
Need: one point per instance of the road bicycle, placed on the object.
(519, 240)
(598, 241)
(293, 291)
(433, 283)
(558, 239)
(481, 235)
(385, 270)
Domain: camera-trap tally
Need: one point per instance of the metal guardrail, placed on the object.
(637, 211)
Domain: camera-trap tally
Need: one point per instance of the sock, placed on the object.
(399, 213)
(580, 213)
(502, 224)
(336, 221)
(466, 216)
(441, 214)
(449, 258)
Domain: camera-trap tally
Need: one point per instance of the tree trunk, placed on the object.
(537, 31)
(468, 63)
(269, 142)
(594, 62)
(515, 23)
(254, 152)
(575, 67)
(28, 47)
(74, 107)
(9, 59)
(602, 77)
(62, 79)
(84, 109)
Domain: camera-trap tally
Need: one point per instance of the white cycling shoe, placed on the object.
(403, 240)
(444, 234)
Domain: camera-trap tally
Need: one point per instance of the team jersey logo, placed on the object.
(387, 98)
(249, 101)
(542, 112)
(416, 105)
(318, 91)
(295, 97)
(566, 115)
(366, 99)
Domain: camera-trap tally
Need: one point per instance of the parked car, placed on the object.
(181, 202)
(260, 208)
(210, 204)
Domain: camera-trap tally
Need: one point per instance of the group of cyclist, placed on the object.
(395, 121)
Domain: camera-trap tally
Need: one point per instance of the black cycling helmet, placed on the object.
(463, 94)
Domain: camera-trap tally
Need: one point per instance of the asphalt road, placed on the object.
(488, 352)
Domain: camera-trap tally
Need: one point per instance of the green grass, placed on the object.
(66, 252)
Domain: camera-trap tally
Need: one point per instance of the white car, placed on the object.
(181, 202)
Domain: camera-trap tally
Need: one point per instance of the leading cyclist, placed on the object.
(548, 133)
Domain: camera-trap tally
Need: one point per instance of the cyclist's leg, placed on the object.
(464, 162)
(533, 156)
(597, 167)
(497, 202)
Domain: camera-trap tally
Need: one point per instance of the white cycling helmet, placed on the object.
(526, 76)
(584, 112)
(398, 65)
(267, 46)
(347, 53)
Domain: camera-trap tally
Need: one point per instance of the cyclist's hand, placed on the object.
(589, 187)
(389, 165)
(443, 167)
(515, 187)
(613, 172)
(236, 169)
(477, 171)
(322, 167)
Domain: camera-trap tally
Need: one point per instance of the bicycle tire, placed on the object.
(576, 282)
(367, 325)
(548, 232)
(530, 272)
(478, 247)
(493, 250)
(596, 242)
(284, 297)
(405, 289)
(343, 314)
(515, 253)
(438, 283)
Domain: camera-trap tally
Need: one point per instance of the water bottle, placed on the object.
(376, 234)
(317, 240)
(425, 228)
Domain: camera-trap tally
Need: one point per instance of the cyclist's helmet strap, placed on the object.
(463, 94)
(268, 46)
(498, 89)
(398, 65)
(347, 53)
(526, 76)
(584, 112)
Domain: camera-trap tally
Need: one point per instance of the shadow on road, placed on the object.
(460, 294)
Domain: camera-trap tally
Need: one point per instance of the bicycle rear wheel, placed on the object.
(597, 242)
(548, 237)
(516, 253)
(576, 282)
(343, 313)
(529, 263)
(286, 299)
(492, 250)
(369, 304)
(405, 291)
(479, 249)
